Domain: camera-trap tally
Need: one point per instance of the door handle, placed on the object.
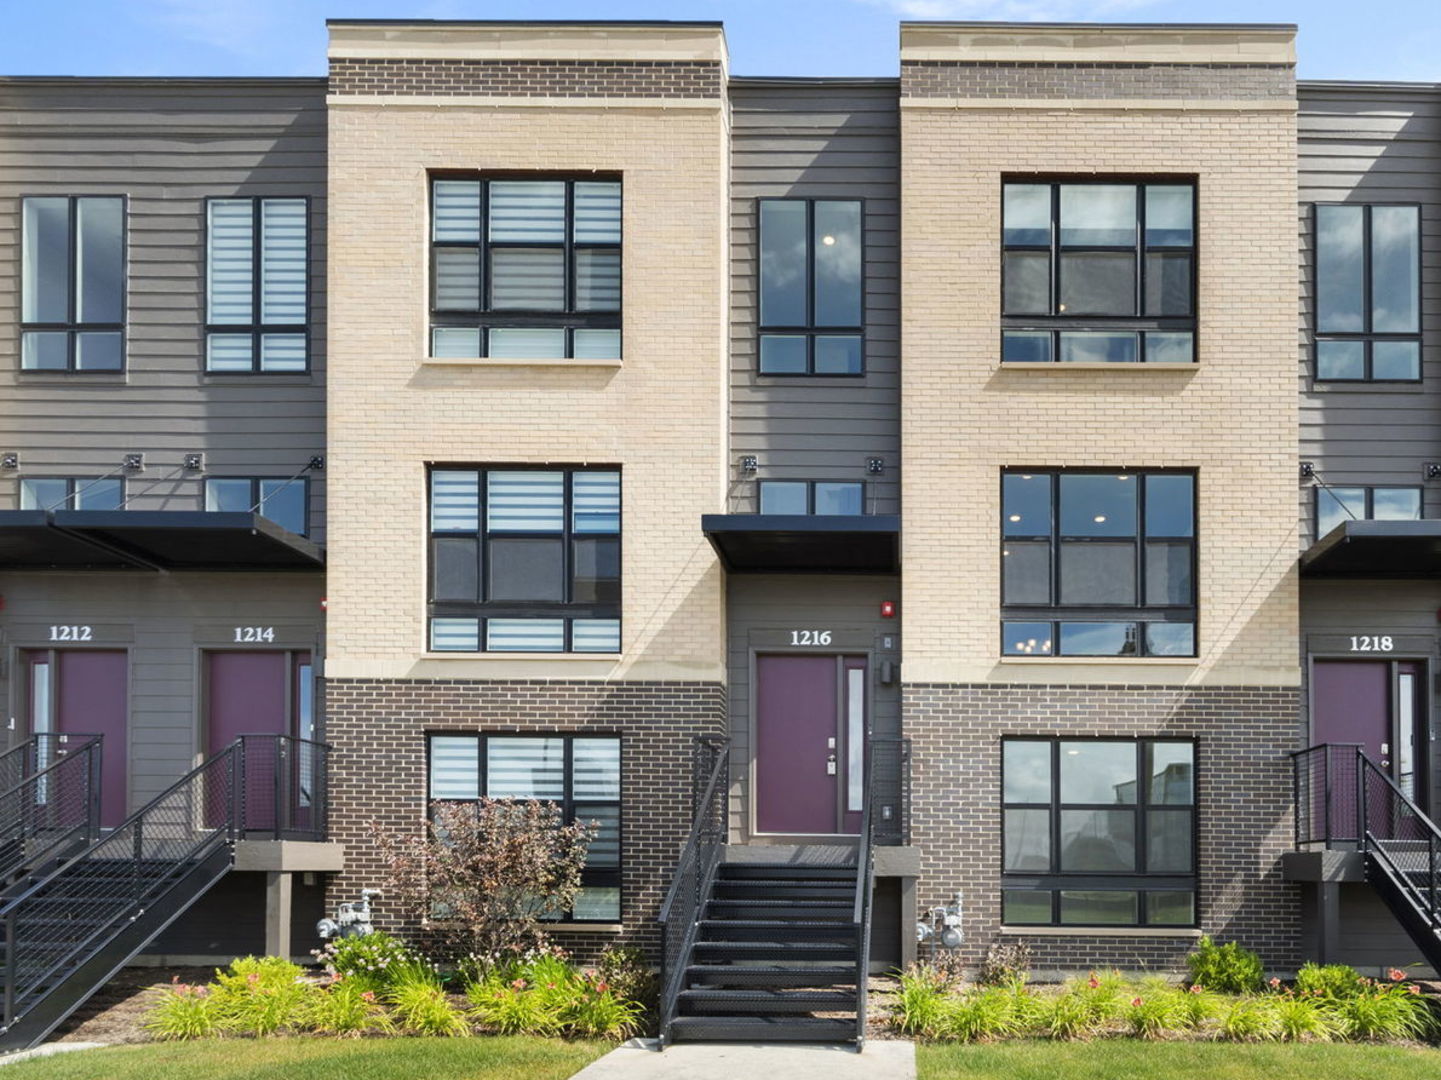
(831, 765)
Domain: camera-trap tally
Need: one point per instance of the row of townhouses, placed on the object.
(1012, 488)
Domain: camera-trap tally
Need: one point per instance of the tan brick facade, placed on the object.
(658, 415)
(1232, 417)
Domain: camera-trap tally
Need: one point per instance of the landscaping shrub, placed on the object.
(921, 1001)
(1069, 1017)
(1005, 962)
(348, 1007)
(262, 995)
(546, 996)
(420, 1004)
(979, 1016)
(1101, 995)
(1328, 980)
(1248, 1019)
(368, 957)
(1384, 1011)
(183, 1012)
(630, 976)
(1228, 969)
(1197, 1007)
(1302, 1017)
(1151, 1015)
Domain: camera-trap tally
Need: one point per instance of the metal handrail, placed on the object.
(1304, 782)
(57, 804)
(861, 913)
(695, 869)
(1425, 899)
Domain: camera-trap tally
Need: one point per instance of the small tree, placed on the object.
(479, 877)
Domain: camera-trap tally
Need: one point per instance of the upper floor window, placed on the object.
(1368, 293)
(72, 283)
(821, 497)
(812, 292)
(1099, 832)
(1335, 505)
(1098, 564)
(525, 269)
(256, 283)
(72, 493)
(1098, 272)
(284, 500)
(524, 560)
(579, 774)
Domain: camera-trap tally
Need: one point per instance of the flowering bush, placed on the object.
(544, 995)
(183, 1012)
(371, 958)
(479, 877)
(262, 995)
(348, 1007)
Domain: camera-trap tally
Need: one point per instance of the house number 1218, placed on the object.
(1370, 643)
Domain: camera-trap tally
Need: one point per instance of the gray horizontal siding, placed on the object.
(799, 141)
(167, 145)
(1372, 145)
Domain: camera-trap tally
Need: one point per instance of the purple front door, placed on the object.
(84, 692)
(810, 710)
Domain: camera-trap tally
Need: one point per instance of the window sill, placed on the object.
(532, 361)
(497, 657)
(1105, 661)
(1103, 931)
(1097, 366)
(585, 927)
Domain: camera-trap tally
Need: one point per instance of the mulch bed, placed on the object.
(115, 1012)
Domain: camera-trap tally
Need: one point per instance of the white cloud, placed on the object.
(1012, 10)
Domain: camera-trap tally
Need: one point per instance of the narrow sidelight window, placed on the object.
(1368, 293)
(256, 286)
(580, 774)
(1098, 832)
(524, 560)
(1098, 563)
(284, 501)
(1098, 272)
(1337, 505)
(525, 268)
(811, 287)
(72, 283)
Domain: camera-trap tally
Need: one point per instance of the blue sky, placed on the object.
(1383, 39)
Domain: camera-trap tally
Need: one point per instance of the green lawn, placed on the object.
(1124, 1059)
(321, 1059)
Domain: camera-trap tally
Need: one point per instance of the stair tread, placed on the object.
(762, 994)
(763, 1028)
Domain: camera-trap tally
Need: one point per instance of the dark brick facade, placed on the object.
(1244, 806)
(1034, 79)
(379, 775)
(530, 78)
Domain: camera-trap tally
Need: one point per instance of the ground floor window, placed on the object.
(580, 774)
(1098, 832)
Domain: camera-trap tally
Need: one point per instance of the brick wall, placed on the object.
(378, 772)
(1032, 79)
(1244, 806)
(529, 78)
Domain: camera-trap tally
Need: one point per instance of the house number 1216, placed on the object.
(810, 637)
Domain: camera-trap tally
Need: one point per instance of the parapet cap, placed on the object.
(1099, 43)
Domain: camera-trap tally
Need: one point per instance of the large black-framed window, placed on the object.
(1098, 832)
(72, 493)
(1368, 293)
(524, 559)
(1336, 504)
(578, 773)
(284, 500)
(72, 283)
(1098, 271)
(811, 309)
(525, 267)
(813, 497)
(1098, 563)
(257, 285)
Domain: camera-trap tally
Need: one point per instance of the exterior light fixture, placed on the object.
(133, 463)
(749, 463)
(9, 460)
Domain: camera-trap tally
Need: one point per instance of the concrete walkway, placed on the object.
(639, 1060)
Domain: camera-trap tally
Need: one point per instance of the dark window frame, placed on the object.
(1370, 490)
(73, 486)
(485, 318)
(1055, 323)
(483, 610)
(811, 493)
(71, 327)
(810, 331)
(255, 498)
(1368, 337)
(1140, 614)
(1140, 881)
(607, 877)
(255, 328)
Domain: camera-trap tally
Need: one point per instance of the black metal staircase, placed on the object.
(771, 951)
(68, 929)
(49, 803)
(1346, 800)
